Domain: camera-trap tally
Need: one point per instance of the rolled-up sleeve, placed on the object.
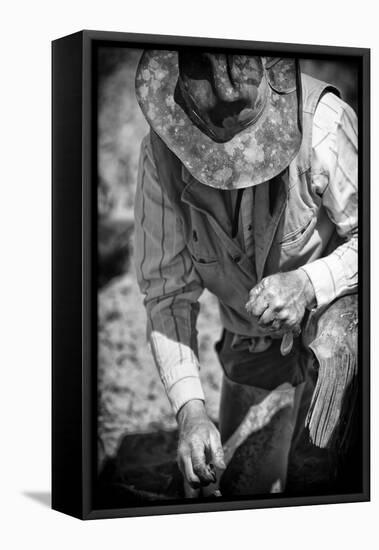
(335, 156)
(169, 283)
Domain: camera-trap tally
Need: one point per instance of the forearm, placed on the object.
(335, 180)
(335, 274)
(173, 341)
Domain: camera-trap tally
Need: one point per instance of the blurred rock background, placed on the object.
(131, 399)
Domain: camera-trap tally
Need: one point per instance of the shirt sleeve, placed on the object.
(335, 180)
(169, 283)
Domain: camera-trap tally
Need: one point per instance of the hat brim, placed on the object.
(255, 155)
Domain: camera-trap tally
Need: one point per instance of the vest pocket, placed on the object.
(204, 262)
(294, 238)
(209, 272)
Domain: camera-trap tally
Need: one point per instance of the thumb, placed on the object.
(217, 452)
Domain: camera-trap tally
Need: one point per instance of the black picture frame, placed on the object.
(74, 313)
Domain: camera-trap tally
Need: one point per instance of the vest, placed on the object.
(288, 233)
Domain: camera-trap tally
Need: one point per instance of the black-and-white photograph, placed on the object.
(227, 272)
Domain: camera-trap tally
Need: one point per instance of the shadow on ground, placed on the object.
(144, 470)
(42, 497)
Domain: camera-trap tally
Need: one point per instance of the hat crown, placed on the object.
(222, 94)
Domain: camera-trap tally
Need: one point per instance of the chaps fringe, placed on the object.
(330, 415)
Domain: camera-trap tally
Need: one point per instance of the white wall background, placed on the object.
(26, 31)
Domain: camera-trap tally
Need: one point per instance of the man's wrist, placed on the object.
(193, 407)
(308, 288)
(184, 388)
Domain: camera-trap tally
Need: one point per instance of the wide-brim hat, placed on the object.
(256, 154)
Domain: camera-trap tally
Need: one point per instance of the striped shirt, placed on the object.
(165, 270)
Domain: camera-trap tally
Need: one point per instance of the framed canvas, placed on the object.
(210, 285)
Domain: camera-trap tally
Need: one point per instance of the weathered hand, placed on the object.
(200, 449)
(278, 302)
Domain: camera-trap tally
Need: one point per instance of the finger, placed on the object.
(192, 479)
(282, 320)
(289, 322)
(259, 306)
(255, 291)
(267, 317)
(276, 324)
(200, 467)
(185, 466)
(217, 452)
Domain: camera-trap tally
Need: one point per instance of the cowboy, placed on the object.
(248, 187)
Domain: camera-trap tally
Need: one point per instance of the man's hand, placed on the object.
(200, 449)
(278, 302)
